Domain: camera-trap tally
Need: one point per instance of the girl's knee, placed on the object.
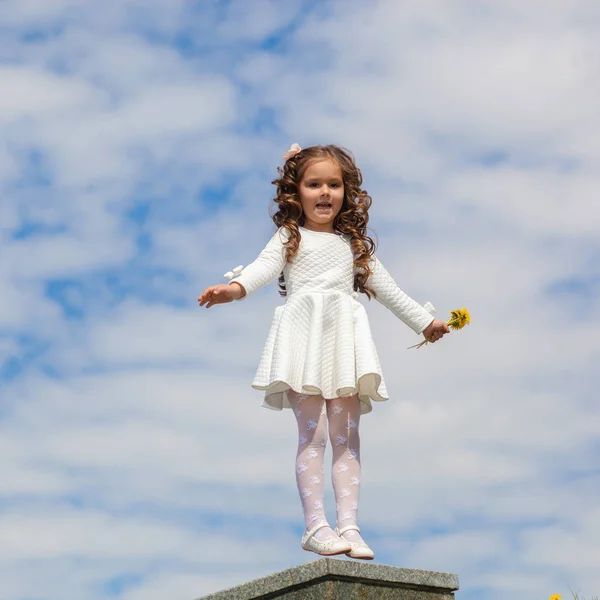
(343, 419)
(341, 409)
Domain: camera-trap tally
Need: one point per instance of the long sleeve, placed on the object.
(393, 298)
(265, 268)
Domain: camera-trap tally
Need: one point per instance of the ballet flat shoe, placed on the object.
(357, 549)
(326, 548)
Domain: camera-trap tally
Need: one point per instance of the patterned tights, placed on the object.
(315, 416)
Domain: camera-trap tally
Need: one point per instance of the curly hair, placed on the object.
(351, 220)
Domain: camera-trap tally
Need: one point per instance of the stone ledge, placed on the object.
(333, 578)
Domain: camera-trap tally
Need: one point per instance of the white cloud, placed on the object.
(257, 20)
(38, 93)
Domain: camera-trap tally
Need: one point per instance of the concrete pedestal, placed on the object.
(334, 579)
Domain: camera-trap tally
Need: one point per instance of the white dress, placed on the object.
(320, 340)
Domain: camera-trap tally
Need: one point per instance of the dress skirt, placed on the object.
(320, 343)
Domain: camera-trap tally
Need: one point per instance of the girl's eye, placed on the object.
(312, 185)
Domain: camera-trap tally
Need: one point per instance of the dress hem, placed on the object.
(276, 392)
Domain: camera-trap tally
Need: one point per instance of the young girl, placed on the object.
(319, 358)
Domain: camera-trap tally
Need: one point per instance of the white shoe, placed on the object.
(357, 549)
(326, 548)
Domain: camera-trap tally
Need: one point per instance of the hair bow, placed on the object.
(235, 273)
(294, 149)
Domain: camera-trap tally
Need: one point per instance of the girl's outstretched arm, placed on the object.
(220, 294)
(265, 268)
(393, 298)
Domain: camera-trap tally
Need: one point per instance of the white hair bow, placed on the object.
(235, 273)
(294, 149)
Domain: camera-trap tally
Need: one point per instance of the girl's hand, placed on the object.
(220, 294)
(435, 330)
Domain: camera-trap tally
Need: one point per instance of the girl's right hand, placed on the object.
(435, 330)
(219, 294)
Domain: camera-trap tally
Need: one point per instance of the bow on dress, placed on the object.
(235, 273)
(429, 308)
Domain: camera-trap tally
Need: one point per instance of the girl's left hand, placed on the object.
(435, 330)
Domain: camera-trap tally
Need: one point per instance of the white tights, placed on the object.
(314, 414)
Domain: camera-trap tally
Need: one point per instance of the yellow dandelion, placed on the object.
(555, 597)
(458, 319)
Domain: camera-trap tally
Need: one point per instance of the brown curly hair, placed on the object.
(351, 220)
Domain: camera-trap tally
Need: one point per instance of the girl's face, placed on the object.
(321, 192)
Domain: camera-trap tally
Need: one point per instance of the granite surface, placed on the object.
(336, 579)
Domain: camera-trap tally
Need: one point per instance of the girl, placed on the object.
(319, 358)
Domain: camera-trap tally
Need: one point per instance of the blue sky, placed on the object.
(139, 141)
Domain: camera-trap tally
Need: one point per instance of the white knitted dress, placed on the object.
(320, 340)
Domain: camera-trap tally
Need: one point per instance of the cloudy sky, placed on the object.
(138, 142)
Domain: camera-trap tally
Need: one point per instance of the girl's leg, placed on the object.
(344, 418)
(312, 439)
